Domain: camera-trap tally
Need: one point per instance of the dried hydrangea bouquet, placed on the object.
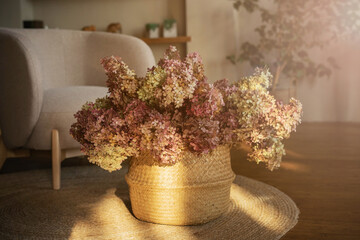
(178, 129)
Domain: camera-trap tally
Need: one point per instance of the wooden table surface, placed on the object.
(321, 173)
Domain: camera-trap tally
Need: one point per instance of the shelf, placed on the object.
(180, 39)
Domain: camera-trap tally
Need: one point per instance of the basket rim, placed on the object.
(197, 185)
(186, 151)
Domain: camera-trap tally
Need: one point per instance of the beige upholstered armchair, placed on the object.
(46, 76)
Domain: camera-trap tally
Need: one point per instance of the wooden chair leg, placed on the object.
(8, 153)
(3, 152)
(56, 159)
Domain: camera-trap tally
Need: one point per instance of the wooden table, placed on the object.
(321, 173)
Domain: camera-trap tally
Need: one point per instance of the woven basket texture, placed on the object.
(195, 190)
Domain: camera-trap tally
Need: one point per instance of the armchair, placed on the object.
(46, 76)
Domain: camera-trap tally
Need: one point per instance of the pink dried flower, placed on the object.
(263, 121)
(206, 102)
(201, 135)
(173, 108)
(122, 81)
(161, 139)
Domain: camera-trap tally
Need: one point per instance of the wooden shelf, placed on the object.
(180, 39)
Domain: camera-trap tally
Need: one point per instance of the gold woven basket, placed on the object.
(195, 190)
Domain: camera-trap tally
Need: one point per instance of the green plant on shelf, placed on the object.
(152, 26)
(168, 23)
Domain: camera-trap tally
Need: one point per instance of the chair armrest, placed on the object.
(20, 88)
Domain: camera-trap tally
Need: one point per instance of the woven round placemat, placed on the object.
(94, 204)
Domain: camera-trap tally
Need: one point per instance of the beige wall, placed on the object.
(210, 24)
(132, 14)
(336, 98)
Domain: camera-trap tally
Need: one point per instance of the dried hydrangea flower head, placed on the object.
(174, 109)
(122, 81)
(172, 81)
(263, 121)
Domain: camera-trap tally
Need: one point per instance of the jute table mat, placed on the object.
(94, 204)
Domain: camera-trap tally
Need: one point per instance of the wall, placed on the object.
(132, 14)
(27, 10)
(10, 13)
(337, 99)
(13, 12)
(210, 24)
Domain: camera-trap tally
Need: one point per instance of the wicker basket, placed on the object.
(193, 191)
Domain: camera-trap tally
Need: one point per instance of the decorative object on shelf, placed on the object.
(90, 28)
(33, 24)
(170, 28)
(177, 128)
(114, 28)
(290, 31)
(153, 30)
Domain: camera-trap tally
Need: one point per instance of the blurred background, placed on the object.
(234, 36)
